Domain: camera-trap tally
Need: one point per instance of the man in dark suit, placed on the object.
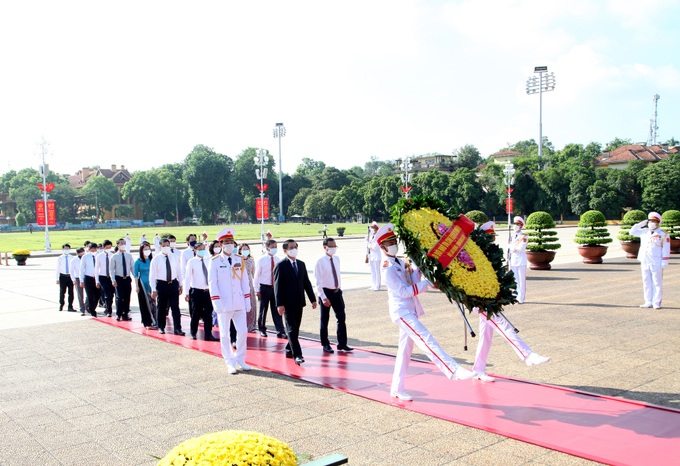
(291, 282)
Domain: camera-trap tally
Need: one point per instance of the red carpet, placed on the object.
(599, 428)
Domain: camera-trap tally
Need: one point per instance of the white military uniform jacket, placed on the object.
(374, 251)
(655, 246)
(228, 284)
(518, 249)
(403, 286)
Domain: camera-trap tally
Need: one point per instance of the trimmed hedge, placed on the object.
(671, 223)
(629, 219)
(539, 230)
(477, 216)
(592, 229)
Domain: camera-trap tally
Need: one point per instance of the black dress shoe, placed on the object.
(282, 335)
(118, 318)
(193, 336)
(70, 309)
(299, 361)
(263, 333)
(161, 330)
(345, 348)
(179, 332)
(289, 355)
(127, 318)
(61, 308)
(328, 349)
(93, 313)
(211, 338)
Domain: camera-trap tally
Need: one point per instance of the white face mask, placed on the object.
(147, 252)
(217, 249)
(245, 252)
(331, 251)
(67, 251)
(122, 247)
(392, 249)
(653, 225)
(200, 253)
(273, 251)
(228, 248)
(173, 244)
(165, 250)
(516, 228)
(107, 251)
(94, 253)
(292, 253)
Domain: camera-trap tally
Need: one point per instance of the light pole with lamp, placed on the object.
(509, 172)
(43, 150)
(261, 173)
(279, 132)
(540, 85)
(406, 166)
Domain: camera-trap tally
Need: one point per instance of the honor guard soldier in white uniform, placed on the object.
(65, 266)
(518, 257)
(128, 242)
(230, 294)
(156, 244)
(655, 248)
(374, 256)
(500, 324)
(403, 286)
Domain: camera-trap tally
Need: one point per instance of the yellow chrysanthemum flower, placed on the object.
(232, 447)
(481, 282)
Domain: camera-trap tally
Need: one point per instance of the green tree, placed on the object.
(605, 198)
(578, 196)
(616, 143)
(319, 204)
(493, 185)
(348, 200)
(99, 193)
(375, 167)
(431, 183)
(208, 176)
(66, 199)
(464, 192)
(297, 204)
(5, 180)
(330, 178)
(660, 184)
(468, 156)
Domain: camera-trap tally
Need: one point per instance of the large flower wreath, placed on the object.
(476, 277)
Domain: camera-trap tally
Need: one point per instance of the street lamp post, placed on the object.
(509, 172)
(43, 150)
(279, 132)
(540, 85)
(261, 173)
(406, 167)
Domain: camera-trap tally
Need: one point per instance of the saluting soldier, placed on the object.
(654, 253)
(230, 294)
(518, 257)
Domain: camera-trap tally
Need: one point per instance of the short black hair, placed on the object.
(79, 250)
(190, 235)
(287, 243)
(211, 247)
(92, 246)
(171, 237)
(327, 240)
(269, 242)
(66, 246)
(165, 240)
(107, 242)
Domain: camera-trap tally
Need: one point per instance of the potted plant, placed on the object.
(670, 222)
(592, 235)
(630, 244)
(20, 255)
(477, 216)
(341, 231)
(542, 240)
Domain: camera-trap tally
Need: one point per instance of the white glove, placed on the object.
(246, 302)
(642, 223)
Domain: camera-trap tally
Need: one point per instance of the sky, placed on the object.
(140, 83)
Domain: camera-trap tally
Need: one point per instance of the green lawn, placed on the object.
(250, 233)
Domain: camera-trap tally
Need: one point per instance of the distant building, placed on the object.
(8, 210)
(119, 176)
(425, 163)
(505, 156)
(620, 157)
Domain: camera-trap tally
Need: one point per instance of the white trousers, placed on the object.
(501, 325)
(520, 272)
(411, 330)
(232, 356)
(375, 275)
(651, 285)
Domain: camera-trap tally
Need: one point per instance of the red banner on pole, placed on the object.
(508, 205)
(262, 208)
(51, 213)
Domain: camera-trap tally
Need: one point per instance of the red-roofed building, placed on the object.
(620, 157)
(119, 176)
(505, 156)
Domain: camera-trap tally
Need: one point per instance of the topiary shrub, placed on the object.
(592, 229)
(20, 219)
(671, 223)
(540, 233)
(629, 219)
(477, 216)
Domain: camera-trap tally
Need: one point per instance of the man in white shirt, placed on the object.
(120, 271)
(88, 278)
(102, 276)
(165, 278)
(189, 252)
(327, 277)
(403, 286)
(75, 277)
(230, 293)
(197, 293)
(655, 248)
(374, 256)
(263, 282)
(65, 264)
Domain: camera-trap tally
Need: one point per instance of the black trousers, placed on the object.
(338, 305)
(293, 318)
(65, 283)
(168, 297)
(107, 292)
(123, 290)
(92, 293)
(202, 309)
(267, 301)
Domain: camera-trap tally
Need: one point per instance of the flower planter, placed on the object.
(540, 260)
(631, 248)
(675, 246)
(20, 260)
(341, 231)
(592, 254)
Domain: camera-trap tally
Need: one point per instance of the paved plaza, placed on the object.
(74, 391)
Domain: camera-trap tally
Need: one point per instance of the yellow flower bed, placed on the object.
(231, 447)
(482, 281)
(21, 252)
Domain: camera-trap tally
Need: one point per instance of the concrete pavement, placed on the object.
(74, 391)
